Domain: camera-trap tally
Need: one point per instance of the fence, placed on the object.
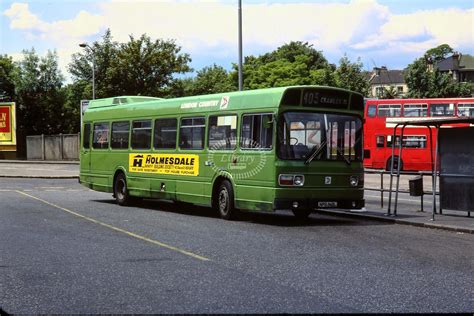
(382, 188)
(53, 147)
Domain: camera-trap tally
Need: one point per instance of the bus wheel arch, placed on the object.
(120, 189)
(395, 166)
(223, 197)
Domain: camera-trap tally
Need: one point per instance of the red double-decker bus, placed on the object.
(380, 116)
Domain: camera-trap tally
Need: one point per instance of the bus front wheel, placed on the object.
(301, 214)
(121, 191)
(225, 200)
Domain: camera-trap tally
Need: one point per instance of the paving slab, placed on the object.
(39, 169)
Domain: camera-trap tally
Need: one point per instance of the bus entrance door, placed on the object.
(85, 158)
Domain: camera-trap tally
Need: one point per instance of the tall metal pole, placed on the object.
(85, 45)
(93, 75)
(241, 80)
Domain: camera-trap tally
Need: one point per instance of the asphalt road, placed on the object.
(65, 249)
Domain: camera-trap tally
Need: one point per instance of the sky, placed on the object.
(391, 33)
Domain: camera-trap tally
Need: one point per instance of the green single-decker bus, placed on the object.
(294, 149)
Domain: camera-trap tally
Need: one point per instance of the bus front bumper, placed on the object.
(314, 204)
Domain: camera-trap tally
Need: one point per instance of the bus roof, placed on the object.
(106, 102)
(418, 100)
(433, 121)
(269, 98)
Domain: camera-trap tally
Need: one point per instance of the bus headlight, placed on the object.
(298, 180)
(291, 180)
(354, 181)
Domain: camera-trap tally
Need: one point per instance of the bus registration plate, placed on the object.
(327, 204)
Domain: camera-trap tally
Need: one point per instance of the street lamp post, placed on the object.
(85, 45)
(241, 80)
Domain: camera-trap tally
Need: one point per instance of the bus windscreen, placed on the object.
(301, 133)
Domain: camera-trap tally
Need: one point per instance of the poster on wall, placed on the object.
(7, 127)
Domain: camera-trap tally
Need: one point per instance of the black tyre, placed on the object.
(224, 200)
(121, 191)
(395, 164)
(301, 214)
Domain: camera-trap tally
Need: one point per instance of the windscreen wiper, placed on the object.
(340, 153)
(314, 152)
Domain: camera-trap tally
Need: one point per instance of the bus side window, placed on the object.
(101, 136)
(191, 133)
(120, 135)
(141, 134)
(222, 132)
(372, 110)
(390, 110)
(380, 141)
(389, 141)
(257, 131)
(466, 109)
(86, 141)
(442, 109)
(415, 110)
(165, 133)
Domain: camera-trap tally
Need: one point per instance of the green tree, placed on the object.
(75, 92)
(211, 79)
(349, 75)
(324, 76)
(139, 67)
(8, 71)
(389, 93)
(293, 52)
(146, 67)
(425, 81)
(294, 63)
(298, 63)
(180, 87)
(40, 95)
(438, 53)
(101, 55)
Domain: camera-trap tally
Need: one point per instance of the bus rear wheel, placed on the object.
(395, 164)
(121, 191)
(224, 198)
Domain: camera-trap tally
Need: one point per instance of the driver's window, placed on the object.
(314, 133)
(305, 133)
(297, 134)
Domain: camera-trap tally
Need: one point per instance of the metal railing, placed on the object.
(383, 190)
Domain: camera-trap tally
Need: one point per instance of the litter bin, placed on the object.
(416, 186)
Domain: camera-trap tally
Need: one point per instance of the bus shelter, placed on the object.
(465, 166)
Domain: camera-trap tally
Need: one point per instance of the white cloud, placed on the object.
(419, 31)
(21, 18)
(209, 28)
(205, 27)
(84, 24)
(63, 35)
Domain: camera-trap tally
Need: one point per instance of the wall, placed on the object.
(53, 147)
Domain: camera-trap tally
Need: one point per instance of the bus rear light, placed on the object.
(291, 180)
